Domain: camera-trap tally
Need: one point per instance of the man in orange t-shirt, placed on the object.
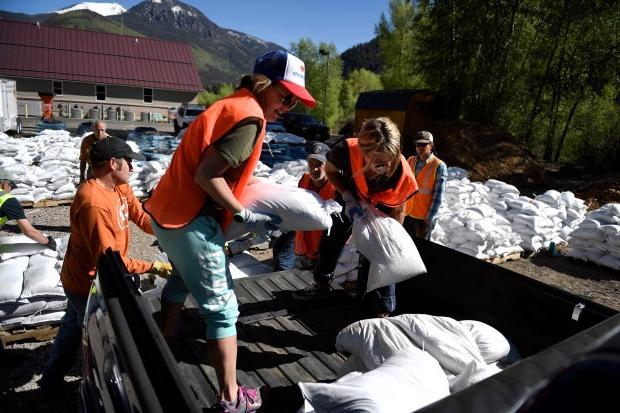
(99, 218)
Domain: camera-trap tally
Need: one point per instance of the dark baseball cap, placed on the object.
(111, 147)
(318, 150)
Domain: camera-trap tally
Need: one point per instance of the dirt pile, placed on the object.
(484, 151)
(488, 153)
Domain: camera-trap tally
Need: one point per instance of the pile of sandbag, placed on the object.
(468, 223)
(597, 237)
(30, 289)
(493, 220)
(403, 363)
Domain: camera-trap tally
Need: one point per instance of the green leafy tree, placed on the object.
(360, 80)
(323, 79)
(207, 98)
(396, 43)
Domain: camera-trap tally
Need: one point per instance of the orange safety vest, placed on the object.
(404, 189)
(307, 242)
(177, 199)
(419, 205)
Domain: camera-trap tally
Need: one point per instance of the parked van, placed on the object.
(9, 121)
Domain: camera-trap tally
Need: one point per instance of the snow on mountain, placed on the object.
(104, 9)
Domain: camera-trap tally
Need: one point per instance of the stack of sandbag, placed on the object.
(56, 156)
(597, 238)
(146, 175)
(401, 364)
(30, 289)
(289, 172)
(566, 210)
(467, 223)
(154, 146)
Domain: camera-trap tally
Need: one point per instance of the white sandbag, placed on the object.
(406, 382)
(609, 261)
(491, 343)
(450, 342)
(43, 319)
(12, 278)
(473, 373)
(372, 341)
(18, 246)
(298, 209)
(245, 265)
(31, 307)
(386, 244)
(41, 282)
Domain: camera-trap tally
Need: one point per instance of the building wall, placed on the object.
(84, 94)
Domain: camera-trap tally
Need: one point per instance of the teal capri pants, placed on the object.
(200, 267)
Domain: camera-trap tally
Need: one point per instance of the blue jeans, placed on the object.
(284, 252)
(377, 301)
(68, 340)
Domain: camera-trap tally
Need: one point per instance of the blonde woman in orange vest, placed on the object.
(431, 174)
(198, 197)
(369, 167)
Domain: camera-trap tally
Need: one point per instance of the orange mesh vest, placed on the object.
(307, 242)
(418, 206)
(393, 197)
(177, 199)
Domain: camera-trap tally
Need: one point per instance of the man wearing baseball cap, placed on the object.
(431, 174)
(99, 219)
(301, 249)
(11, 209)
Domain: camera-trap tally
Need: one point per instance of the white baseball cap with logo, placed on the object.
(287, 70)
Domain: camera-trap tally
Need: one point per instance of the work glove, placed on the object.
(257, 222)
(163, 269)
(51, 243)
(352, 209)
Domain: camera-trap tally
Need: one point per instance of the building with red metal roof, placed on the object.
(86, 69)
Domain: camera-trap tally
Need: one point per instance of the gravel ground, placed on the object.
(21, 363)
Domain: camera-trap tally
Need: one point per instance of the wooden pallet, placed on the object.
(47, 203)
(39, 333)
(510, 257)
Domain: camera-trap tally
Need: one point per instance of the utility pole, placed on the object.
(325, 52)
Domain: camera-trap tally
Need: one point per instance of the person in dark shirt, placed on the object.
(368, 167)
(11, 210)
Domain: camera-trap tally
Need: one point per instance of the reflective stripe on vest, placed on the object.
(307, 242)
(392, 197)
(4, 196)
(420, 204)
(177, 198)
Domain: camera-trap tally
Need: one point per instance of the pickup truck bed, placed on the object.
(283, 341)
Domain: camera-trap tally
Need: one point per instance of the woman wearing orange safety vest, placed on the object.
(369, 167)
(301, 249)
(431, 174)
(198, 196)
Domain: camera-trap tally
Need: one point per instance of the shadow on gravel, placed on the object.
(575, 268)
(20, 368)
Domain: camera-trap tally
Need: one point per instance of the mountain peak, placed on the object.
(104, 9)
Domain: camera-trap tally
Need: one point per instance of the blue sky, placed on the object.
(343, 22)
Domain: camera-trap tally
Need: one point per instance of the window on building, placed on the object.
(100, 92)
(148, 95)
(57, 86)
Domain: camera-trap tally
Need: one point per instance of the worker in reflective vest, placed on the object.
(300, 249)
(370, 168)
(11, 209)
(431, 174)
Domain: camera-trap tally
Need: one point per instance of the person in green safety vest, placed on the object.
(11, 209)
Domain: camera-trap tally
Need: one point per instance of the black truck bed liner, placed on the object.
(283, 341)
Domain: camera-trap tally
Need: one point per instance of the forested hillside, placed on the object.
(547, 72)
